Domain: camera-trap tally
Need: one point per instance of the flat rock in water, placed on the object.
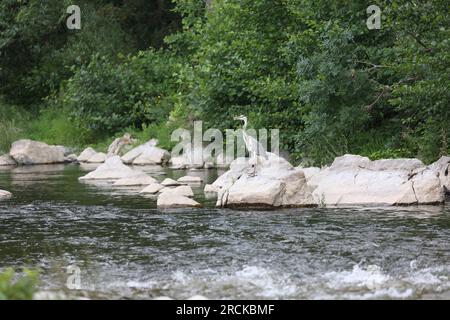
(171, 200)
(170, 183)
(190, 179)
(112, 169)
(142, 180)
(28, 152)
(5, 194)
(152, 188)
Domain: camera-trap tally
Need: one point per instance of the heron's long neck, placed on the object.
(245, 125)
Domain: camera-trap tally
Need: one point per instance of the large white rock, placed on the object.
(355, 180)
(173, 200)
(146, 154)
(86, 154)
(181, 190)
(5, 194)
(442, 167)
(28, 152)
(152, 188)
(142, 180)
(350, 180)
(151, 156)
(131, 155)
(99, 157)
(190, 179)
(112, 169)
(276, 184)
(7, 160)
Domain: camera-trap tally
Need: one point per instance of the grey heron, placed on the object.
(254, 147)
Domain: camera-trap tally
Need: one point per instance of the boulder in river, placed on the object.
(276, 184)
(70, 158)
(350, 180)
(86, 154)
(356, 180)
(152, 156)
(181, 190)
(29, 152)
(5, 194)
(173, 200)
(146, 154)
(7, 160)
(99, 157)
(442, 167)
(112, 169)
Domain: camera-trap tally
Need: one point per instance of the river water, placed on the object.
(126, 248)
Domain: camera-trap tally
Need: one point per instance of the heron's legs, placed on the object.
(251, 171)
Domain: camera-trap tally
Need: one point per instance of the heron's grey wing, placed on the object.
(258, 147)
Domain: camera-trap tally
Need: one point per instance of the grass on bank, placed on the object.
(57, 127)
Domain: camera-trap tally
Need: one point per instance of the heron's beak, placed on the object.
(235, 118)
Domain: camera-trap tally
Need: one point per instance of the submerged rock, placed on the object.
(142, 180)
(28, 152)
(7, 160)
(173, 200)
(112, 169)
(190, 179)
(5, 194)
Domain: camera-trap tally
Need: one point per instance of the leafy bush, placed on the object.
(108, 97)
(22, 288)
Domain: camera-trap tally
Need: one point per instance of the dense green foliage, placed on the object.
(22, 288)
(309, 68)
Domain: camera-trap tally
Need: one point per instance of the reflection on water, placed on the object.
(126, 248)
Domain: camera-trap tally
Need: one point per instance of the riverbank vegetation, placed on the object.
(18, 288)
(309, 68)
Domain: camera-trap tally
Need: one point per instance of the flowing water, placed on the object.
(126, 248)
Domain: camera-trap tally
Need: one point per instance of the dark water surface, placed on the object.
(126, 248)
